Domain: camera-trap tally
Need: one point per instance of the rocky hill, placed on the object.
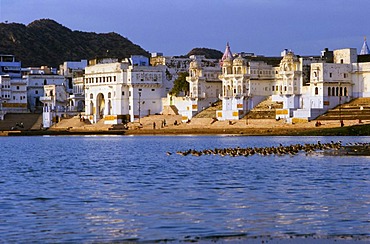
(46, 42)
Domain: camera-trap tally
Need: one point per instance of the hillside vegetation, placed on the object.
(46, 42)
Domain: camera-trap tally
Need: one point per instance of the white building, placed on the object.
(204, 87)
(77, 98)
(172, 67)
(74, 72)
(13, 96)
(35, 88)
(119, 91)
(236, 87)
(70, 70)
(55, 104)
(307, 86)
(13, 89)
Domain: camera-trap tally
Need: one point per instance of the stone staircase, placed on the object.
(170, 110)
(29, 120)
(264, 110)
(209, 112)
(38, 124)
(357, 109)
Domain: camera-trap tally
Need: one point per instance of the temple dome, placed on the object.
(227, 62)
(239, 61)
(195, 64)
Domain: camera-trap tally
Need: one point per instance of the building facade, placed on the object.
(13, 89)
(122, 90)
(35, 88)
(55, 101)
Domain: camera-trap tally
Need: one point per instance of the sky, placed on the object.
(174, 27)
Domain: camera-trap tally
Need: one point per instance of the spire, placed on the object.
(227, 54)
(365, 48)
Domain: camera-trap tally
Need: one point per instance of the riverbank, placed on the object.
(205, 127)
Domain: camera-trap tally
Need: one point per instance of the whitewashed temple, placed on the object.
(307, 86)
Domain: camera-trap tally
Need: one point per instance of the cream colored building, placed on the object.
(204, 86)
(121, 91)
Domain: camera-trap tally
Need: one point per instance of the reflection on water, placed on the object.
(74, 189)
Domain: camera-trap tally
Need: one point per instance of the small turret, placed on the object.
(365, 48)
(227, 55)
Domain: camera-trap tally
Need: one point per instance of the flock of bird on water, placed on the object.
(264, 151)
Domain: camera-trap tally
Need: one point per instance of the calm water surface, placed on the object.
(117, 188)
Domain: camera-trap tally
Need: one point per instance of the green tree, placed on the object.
(180, 84)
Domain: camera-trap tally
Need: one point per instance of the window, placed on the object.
(345, 75)
(316, 91)
(329, 91)
(17, 87)
(153, 89)
(330, 75)
(109, 95)
(91, 96)
(129, 93)
(123, 93)
(36, 92)
(140, 89)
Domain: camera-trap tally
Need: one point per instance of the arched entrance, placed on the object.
(91, 108)
(100, 106)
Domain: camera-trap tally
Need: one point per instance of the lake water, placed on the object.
(118, 188)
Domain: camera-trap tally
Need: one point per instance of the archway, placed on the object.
(100, 105)
(80, 106)
(92, 108)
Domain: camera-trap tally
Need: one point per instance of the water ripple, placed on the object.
(104, 189)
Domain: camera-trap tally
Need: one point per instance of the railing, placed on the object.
(45, 98)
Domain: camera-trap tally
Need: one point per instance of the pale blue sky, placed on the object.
(174, 27)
